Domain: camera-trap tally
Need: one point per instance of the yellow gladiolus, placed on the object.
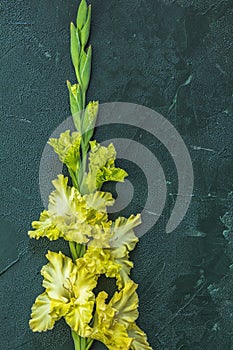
(70, 215)
(68, 293)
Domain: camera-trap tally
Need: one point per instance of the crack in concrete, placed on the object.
(12, 263)
(181, 309)
(174, 101)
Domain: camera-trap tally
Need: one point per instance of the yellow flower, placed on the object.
(126, 304)
(111, 320)
(114, 335)
(101, 168)
(70, 215)
(99, 261)
(111, 262)
(68, 293)
(108, 251)
(68, 149)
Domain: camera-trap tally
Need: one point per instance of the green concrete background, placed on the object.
(143, 52)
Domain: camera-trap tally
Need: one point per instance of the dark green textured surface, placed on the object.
(143, 52)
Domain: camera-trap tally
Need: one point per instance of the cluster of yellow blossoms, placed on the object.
(80, 217)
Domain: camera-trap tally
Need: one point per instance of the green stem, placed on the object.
(73, 250)
(74, 180)
(78, 249)
(84, 160)
(84, 98)
(83, 343)
(84, 249)
(77, 75)
(82, 169)
(76, 339)
(89, 343)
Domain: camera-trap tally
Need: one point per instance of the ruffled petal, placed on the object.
(110, 173)
(99, 200)
(45, 227)
(59, 276)
(84, 283)
(99, 261)
(121, 257)
(80, 313)
(101, 235)
(79, 317)
(123, 232)
(111, 262)
(104, 312)
(113, 334)
(140, 339)
(126, 304)
(77, 232)
(63, 201)
(41, 320)
(58, 308)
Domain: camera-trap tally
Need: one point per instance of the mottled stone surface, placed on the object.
(144, 52)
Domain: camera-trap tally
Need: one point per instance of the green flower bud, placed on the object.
(82, 14)
(85, 68)
(85, 31)
(74, 45)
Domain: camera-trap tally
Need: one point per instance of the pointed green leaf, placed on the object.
(74, 45)
(82, 14)
(83, 57)
(85, 32)
(85, 70)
